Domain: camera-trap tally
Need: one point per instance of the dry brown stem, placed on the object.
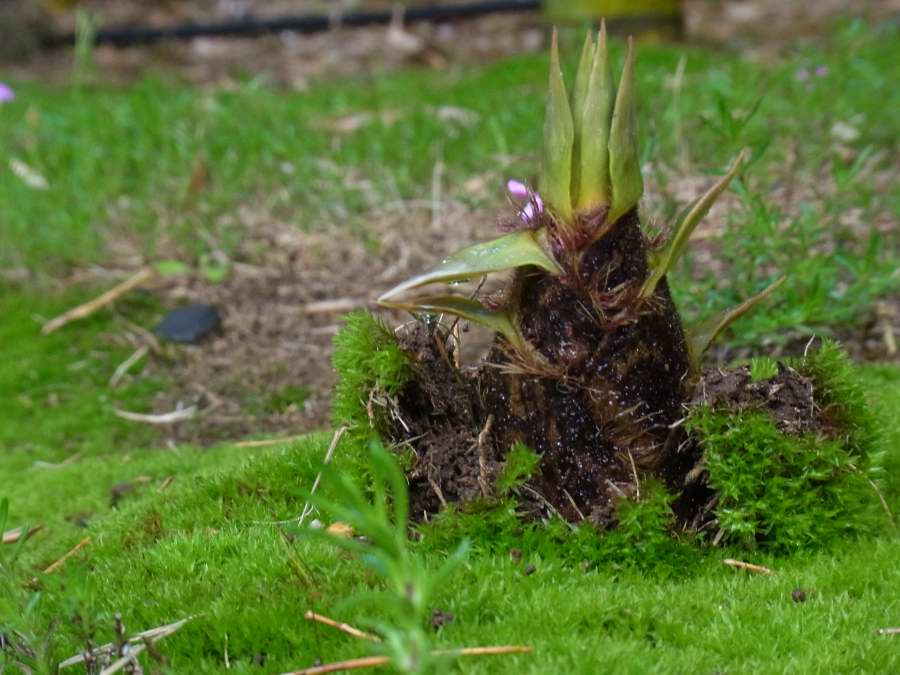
(343, 627)
(375, 661)
(12, 536)
(750, 567)
(140, 277)
(59, 563)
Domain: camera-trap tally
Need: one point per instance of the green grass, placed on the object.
(119, 161)
(207, 547)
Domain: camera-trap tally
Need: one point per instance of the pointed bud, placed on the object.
(624, 158)
(593, 172)
(559, 135)
(702, 336)
(579, 101)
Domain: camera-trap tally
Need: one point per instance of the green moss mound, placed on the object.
(369, 363)
(789, 492)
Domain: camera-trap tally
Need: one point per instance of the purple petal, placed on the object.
(517, 189)
(802, 75)
(821, 71)
(6, 93)
(527, 213)
(538, 202)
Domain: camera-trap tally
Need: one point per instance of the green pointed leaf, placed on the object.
(499, 320)
(559, 135)
(517, 249)
(624, 157)
(593, 160)
(702, 336)
(579, 101)
(665, 259)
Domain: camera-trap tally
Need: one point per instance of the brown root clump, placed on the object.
(597, 400)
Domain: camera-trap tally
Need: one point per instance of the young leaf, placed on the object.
(593, 159)
(559, 135)
(702, 336)
(517, 249)
(499, 321)
(579, 101)
(624, 158)
(664, 260)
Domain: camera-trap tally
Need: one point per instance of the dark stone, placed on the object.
(189, 325)
(798, 595)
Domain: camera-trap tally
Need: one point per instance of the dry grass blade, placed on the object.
(59, 563)
(265, 442)
(177, 415)
(343, 627)
(12, 536)
(152, 636)
(750, 567)
(309, 508)
(888, 631)
(125, 366)
(375, 661)
(337, 666)
(142, 276)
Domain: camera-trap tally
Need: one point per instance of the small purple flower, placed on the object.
(517, 189)
(6, 93)
(533, 207)
(822, 71)
(802, 75)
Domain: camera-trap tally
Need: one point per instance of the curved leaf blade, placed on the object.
(497, 320)
(517, 249)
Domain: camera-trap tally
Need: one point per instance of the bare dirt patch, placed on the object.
(281, 306)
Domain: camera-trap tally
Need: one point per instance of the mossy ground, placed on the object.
(205, 546)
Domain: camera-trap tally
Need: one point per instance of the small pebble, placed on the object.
(529, 569)
(316, 524)
(515, 554)
(798, 595)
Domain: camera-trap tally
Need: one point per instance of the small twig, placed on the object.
(125, 366)
(637, 482)
(265, 442)
(482, 456)
(375, 661)
(888, 631)
(335, 306)
(59, 563)
(88, 308)
(153, 635)
(343, 627)
(574, 505)
(167, 481)
(12, 536)
(750, 567)
(120, 663)
(337, 666)
(309, 508)
(178, 415)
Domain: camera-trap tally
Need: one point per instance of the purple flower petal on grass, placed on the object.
(6, 93)
(821, 71)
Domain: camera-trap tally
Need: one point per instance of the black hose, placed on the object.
(125, 36)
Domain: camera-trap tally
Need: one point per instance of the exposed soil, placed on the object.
(281, 306)
(788, 398)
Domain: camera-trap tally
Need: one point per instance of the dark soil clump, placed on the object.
(439, 417)
(788, 398)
